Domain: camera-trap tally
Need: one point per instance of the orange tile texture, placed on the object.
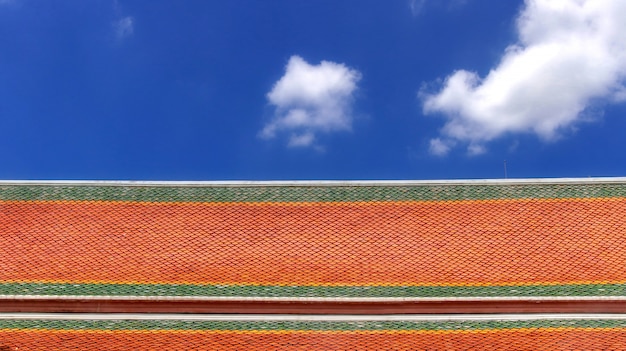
(538, 339)
(374, 243)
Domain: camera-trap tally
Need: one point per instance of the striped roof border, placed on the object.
(305, 191)
(317, 292)
(311, 325)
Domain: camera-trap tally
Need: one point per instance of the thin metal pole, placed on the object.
(505, 175)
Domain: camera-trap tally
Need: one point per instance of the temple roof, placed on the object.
(381, 249)
(559, 237)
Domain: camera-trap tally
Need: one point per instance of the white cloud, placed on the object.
(419, 6)
(305, 139)
(416, 6)
(310, 99)
(570, 55)
(124, 27)
(476, 149)
(439, 147)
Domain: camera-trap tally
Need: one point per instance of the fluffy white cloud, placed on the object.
(124, 27)
(310, 99)
(570, 54)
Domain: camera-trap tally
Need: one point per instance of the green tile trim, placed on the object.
(50, 289)
(310, 193)
(162, 325)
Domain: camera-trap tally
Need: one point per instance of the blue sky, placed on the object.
(321, 89)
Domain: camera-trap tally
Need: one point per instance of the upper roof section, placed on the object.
(356, 240)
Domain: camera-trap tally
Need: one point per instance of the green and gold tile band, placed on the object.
(311, 193)
(260, 291)
(308, 325)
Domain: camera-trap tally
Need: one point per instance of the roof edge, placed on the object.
(288, 183)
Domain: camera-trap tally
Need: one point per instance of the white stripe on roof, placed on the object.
(278, 183)
(311, 299)
(278, 317)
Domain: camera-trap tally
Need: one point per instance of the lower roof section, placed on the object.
(306, 333)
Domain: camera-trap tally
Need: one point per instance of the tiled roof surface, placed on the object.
(89, 244)
(461, 239)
